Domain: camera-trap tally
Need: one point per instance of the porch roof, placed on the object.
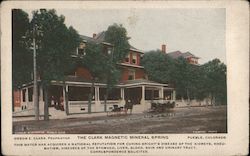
(140, 82)
(75, 80)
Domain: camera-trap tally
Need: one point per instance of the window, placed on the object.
(114, 94)
(127, 58)
(24, 95)
(134, 58)
(30, 94)
(152, 94)
(131, 74)
(79, 93)
(109, 50)
(81, 49)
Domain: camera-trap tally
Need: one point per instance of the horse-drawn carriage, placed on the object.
(161, 106)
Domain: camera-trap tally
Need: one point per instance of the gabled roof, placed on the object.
(86, 38)
(100, 38)
(188, 54)
(177, 54)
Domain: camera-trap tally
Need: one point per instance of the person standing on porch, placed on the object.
(129, 106)
(52, 101)
(61, 104)
(126, 106)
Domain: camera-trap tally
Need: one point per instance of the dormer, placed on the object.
(81, 49)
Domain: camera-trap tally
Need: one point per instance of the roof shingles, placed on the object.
(100, 38)
(177, 54)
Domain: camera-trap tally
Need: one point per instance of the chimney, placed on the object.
(163, 48)
(94, 35)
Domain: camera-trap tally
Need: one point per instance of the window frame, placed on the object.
(131, 72)
(127, 58)
(134, 57)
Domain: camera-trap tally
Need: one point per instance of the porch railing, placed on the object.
(159, 101)
(73, 103)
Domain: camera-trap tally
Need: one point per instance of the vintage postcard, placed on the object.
(125, 77)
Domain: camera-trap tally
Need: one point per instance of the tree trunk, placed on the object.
(188, 96)
(105, 100)
(91, 95)
(66, 99)
(189, 104)
(211, 100)
(46, 103)
(152, 95)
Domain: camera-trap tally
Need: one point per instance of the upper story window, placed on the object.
(134, 58)
(81, 49)
(109, 50)
(131, 74)
(192, 60)
(127, 58)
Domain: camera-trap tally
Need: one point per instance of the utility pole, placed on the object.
(35, 91)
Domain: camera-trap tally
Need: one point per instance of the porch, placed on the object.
(73, 99)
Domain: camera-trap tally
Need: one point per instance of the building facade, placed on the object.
(72, 97)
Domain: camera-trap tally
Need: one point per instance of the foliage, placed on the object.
(117, 36)
(215, 77)
(21, 55)
(190, 81)
(105, 69)
(183, 77)
(56, 43)
(94, 53)
(158, 66)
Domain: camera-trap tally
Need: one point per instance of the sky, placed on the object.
(199, 31)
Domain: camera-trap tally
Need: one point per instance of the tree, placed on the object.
(215, 81)
(185, 78)
(96, 68)
(178, 73)
(111, 77)
(117, 36)
(21, 55)
(55, 45)
(158, 66)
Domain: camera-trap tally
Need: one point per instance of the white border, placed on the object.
(237, 45)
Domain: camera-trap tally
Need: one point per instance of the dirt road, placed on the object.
(181, 120)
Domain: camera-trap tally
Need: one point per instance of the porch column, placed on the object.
(41, 93)
(161, 93)
(21, 96)
(26, 97)
(122, 94)
(97, 96)
(65, 105)
(64, 97)
(174, 95)
(143, 94)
